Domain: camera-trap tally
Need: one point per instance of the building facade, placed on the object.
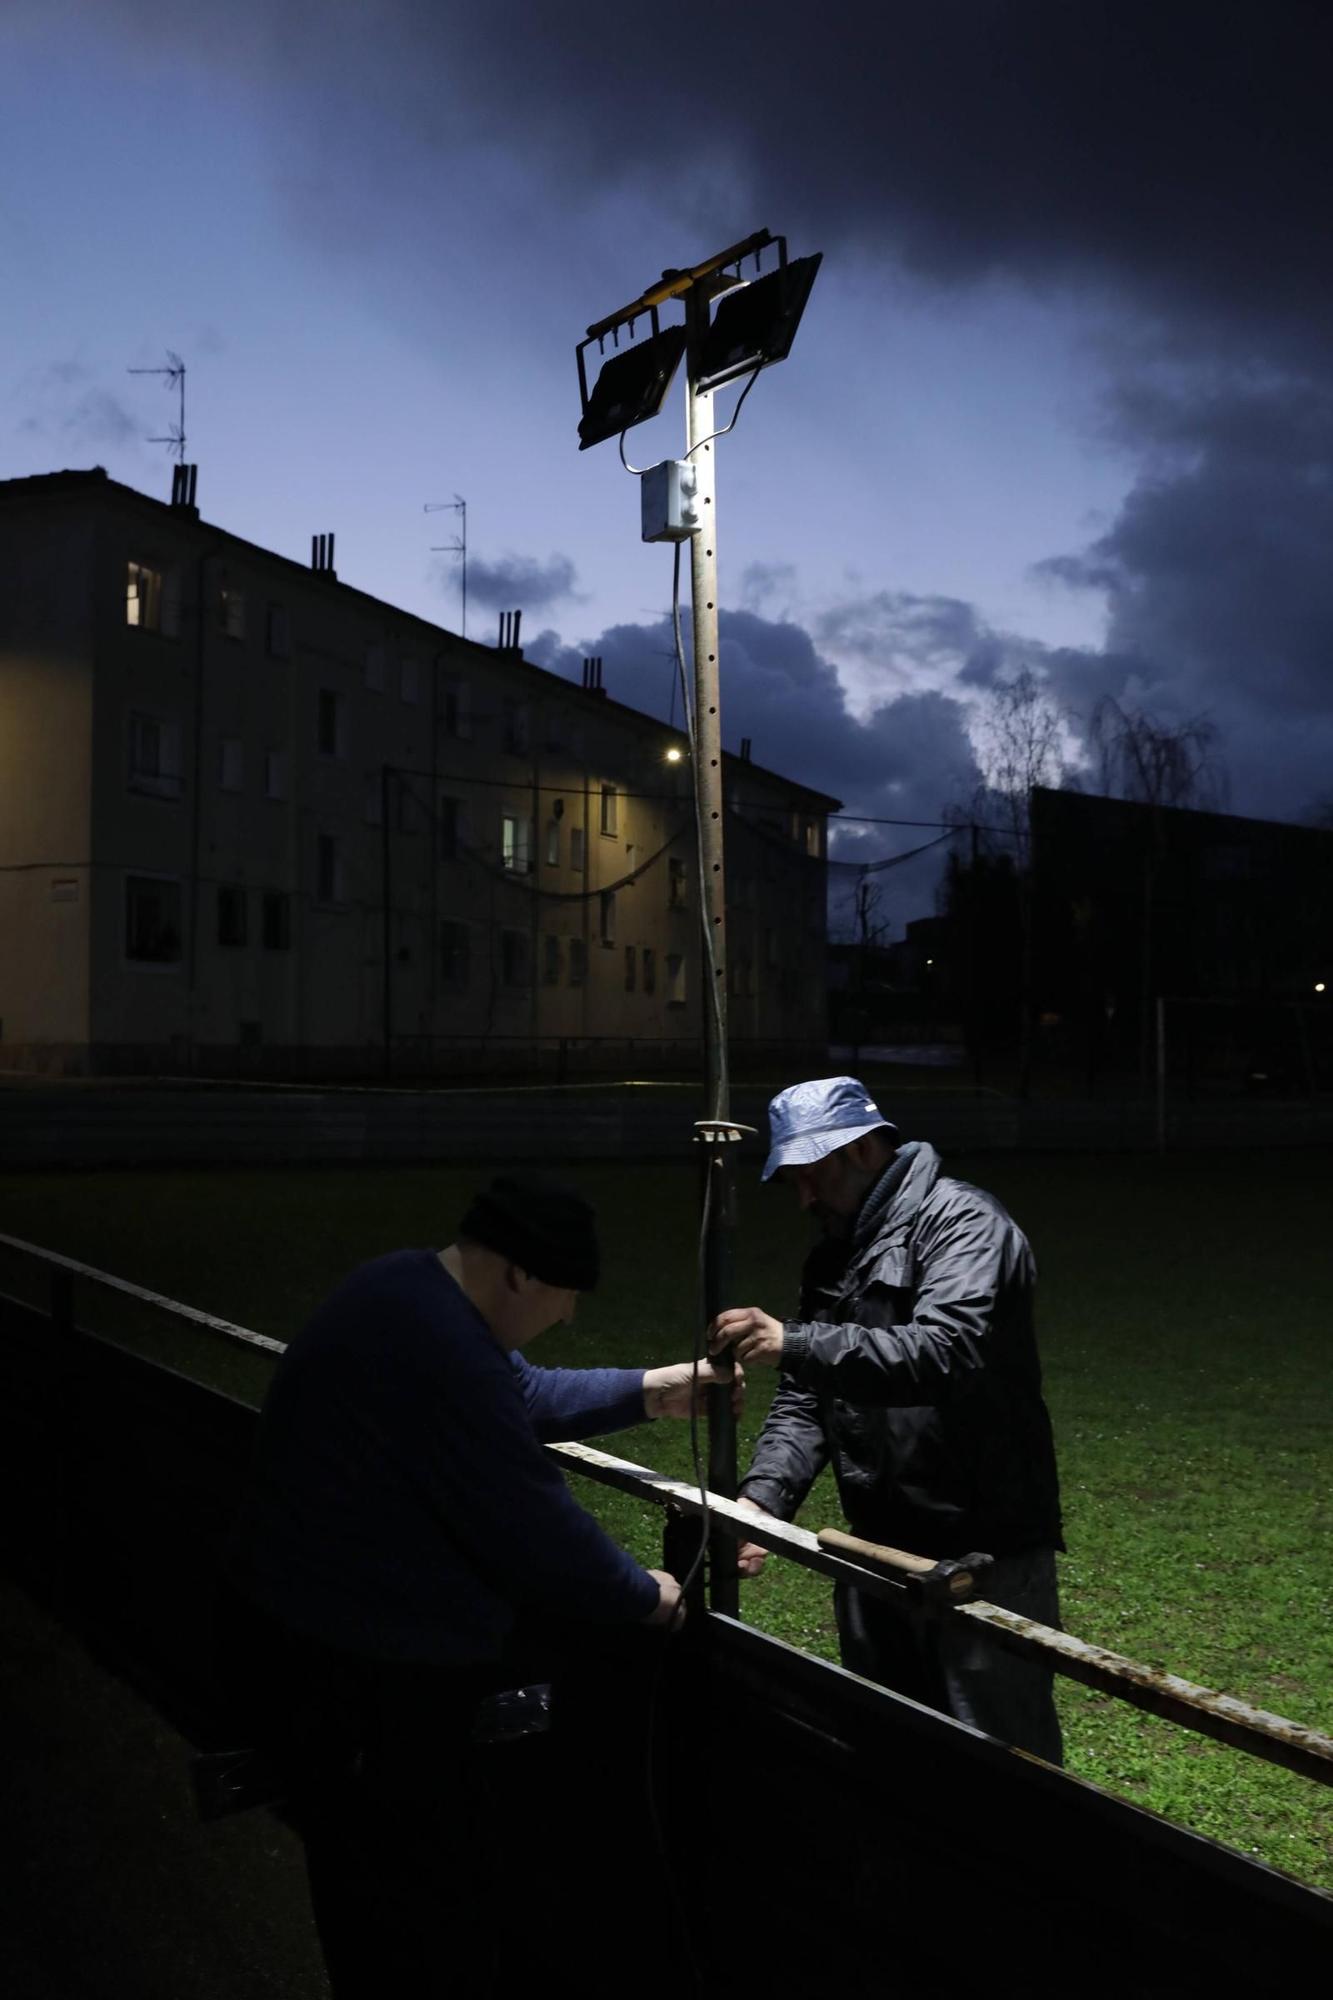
(255, 821)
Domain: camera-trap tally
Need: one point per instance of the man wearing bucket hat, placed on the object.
(911, 1365)
(401, 1513)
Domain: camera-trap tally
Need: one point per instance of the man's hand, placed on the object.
(669, 1392)
(753, 1335)
(669, 1609)
(751, 1556)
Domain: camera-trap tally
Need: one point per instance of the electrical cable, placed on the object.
(734, 415)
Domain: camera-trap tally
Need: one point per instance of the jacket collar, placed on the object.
(891, 1205)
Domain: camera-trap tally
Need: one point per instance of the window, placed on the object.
(516, 844)
(408, 814)
(231, 913)
(277, 920)
(812, 837)
(515, 726)
(152, 920)
(275, 774)
(279, 632)
(551, 960)
(553, 843)
(515, 964)
(608, 916)
(675, 885)
(451, 824)
(557, 729)
(675, 979)
(330, 723)
(578, 962)
(232, 774)
(649, 969)
(232, 603)
(154, 756)
(150, 599)
(629, 968)
(577, 849)
(374, 669)
(328, 869)
(374, 803)
(456, 709)
(409, 679)
(608, 809)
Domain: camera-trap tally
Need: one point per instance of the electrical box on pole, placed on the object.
(668, 499)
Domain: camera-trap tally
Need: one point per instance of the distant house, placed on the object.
(254, 819)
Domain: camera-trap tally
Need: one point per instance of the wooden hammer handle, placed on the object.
(875, 1554)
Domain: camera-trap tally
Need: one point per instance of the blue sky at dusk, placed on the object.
(1062, 397)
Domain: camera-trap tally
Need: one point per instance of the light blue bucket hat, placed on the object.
(813, 1119)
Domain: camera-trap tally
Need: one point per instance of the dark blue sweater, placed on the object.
(401, 1505)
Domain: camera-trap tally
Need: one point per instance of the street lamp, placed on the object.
(733, 327)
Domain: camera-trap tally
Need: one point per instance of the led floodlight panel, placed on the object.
(631, 386)
(756, 325)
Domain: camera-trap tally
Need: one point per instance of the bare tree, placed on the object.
(1158, 763)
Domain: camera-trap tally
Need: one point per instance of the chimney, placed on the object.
(509, 624)
(592, 674)
(321, 556)
(184, 482)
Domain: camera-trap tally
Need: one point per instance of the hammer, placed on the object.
(949, 1581)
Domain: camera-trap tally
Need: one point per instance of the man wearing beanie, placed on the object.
(401, 1512)
(911, 1363)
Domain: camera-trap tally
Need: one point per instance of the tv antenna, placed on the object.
(458, 505)
(173, 375)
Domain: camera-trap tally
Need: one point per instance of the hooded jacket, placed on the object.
(913, 1367)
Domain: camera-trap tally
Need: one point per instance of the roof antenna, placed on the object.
(174, 378)
(458, 505)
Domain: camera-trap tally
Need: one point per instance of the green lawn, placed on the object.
(1184, 1311)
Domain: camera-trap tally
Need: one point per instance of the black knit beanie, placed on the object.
(547, 1230)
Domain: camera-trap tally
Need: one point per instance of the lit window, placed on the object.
(516, 844)
(143, 597)
(553, 843)
(608, 809)
(675, 979)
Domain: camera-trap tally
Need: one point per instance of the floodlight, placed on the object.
(673, 756)
(756, 324)
(631, 386)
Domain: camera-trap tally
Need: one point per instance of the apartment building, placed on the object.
(255, 821)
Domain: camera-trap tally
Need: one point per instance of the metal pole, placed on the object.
(718, 1183)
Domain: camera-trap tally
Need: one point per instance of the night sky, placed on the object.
(1063, 396)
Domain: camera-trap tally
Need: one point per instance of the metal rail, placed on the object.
(1273, 1738)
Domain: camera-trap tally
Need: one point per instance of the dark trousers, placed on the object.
(381, 1779)
(953, 1665)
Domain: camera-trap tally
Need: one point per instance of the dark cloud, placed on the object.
(1217, 580)
(521, 583)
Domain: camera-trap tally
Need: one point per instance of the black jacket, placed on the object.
(914, 1366)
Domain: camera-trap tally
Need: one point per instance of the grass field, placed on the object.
(1185, 1335)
